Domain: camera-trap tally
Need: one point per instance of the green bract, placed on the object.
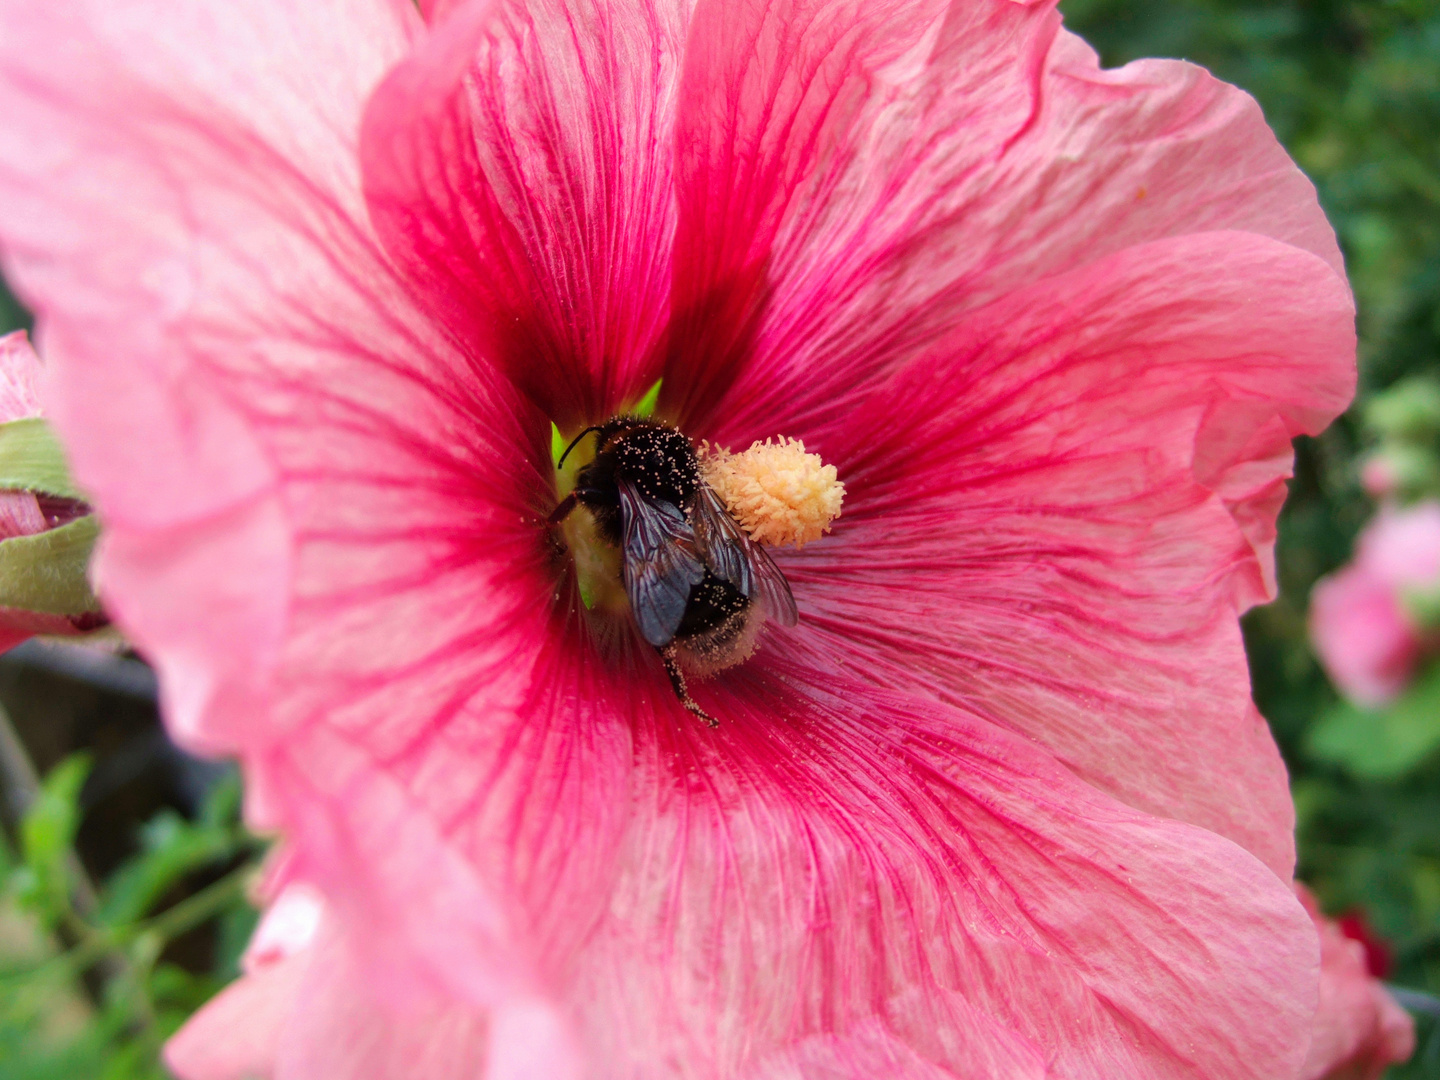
(44, 572)
(31, 459)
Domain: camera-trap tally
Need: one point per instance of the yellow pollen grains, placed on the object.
(778, 492)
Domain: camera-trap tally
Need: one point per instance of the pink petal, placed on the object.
(872, 1049)
(321, 517)
(772, 97)
(289, 927)
(215, 351)
(345, 1031)
(20, 514)
(879, 880)
(1065, 545)
(20, 375)
(232, 159)
(517, 166)
(237, 1035)
(989, 155)
(312, 1015)
(1359, 1029)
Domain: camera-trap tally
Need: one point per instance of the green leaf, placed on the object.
(49, 826)
(1407, 410)
(234, 929)
(1381, 744)
(175, 988)
(46, 571)
(646, 405)
(47, 833)
(173, 848)
(221, 805)
(31, 459)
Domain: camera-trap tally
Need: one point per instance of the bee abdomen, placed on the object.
(719, 629)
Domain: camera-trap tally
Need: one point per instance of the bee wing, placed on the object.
(732, 556)
(660, 564)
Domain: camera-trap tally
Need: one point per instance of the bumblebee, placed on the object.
(699, 586)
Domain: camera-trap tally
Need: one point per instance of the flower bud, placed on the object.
(1359, 1029)
(1369, 621)
(46, 528)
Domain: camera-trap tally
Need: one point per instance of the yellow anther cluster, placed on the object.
(778, 492)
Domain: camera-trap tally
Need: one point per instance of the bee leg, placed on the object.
(562, 511)
(677, 683)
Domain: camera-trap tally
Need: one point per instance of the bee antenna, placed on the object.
(573, 442)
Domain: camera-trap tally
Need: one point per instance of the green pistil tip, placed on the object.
(557, 444)
(648, 402)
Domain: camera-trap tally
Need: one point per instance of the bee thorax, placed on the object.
(661, 463)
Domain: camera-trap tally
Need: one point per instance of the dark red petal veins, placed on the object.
(517, 166)
(769, 96)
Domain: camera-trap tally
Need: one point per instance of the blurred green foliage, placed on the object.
(87, 991)
(1352, 88)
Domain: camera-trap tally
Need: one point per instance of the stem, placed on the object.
(1417, 1001)
(198, 908)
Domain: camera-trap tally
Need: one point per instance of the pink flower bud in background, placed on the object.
(1360, 1030)
(1399, 470)
(1377, 476)
(1366, 636)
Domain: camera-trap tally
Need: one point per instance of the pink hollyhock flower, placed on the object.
(1367, 640)
(317, 279)
(1360, 1031)
(25, 513)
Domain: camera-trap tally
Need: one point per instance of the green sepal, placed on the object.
(557, 445)
(646, 405)
(46, 572)
(1384, 743)
(31, 459)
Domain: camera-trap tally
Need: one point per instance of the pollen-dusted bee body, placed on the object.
(698, 585)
